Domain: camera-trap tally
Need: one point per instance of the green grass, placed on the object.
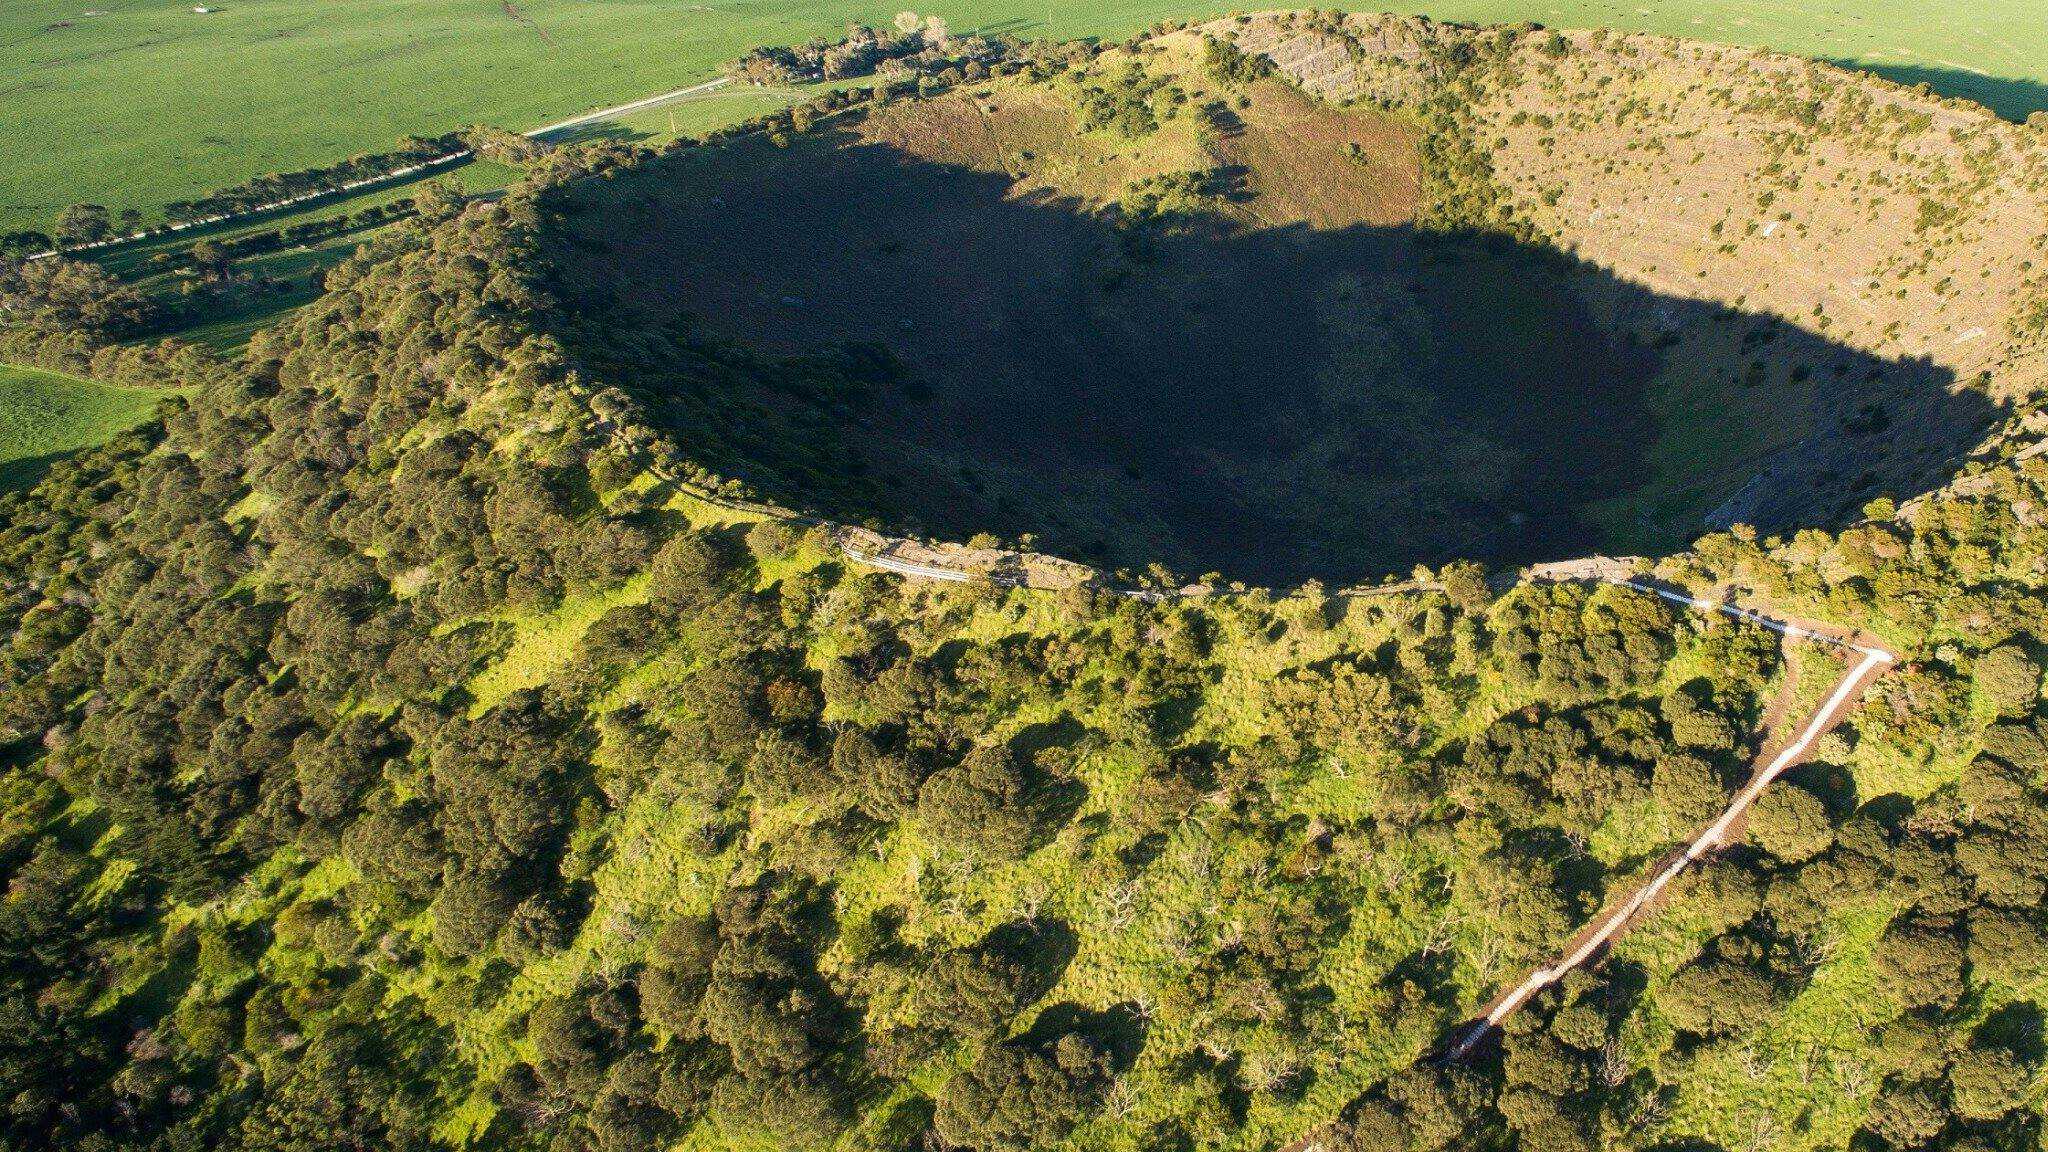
(270, 85)
(1804, 1079)
(45, 415)
(693, 116)
(544, 644)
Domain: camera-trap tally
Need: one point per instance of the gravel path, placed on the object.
(1870, 663)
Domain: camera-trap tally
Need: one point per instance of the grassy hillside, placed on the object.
(1807, 202)
(270, 85)
(44, 415)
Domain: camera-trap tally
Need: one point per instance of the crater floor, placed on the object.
(1224, 344)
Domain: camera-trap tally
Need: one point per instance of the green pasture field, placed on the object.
(145, 101)
(692, 116)
(227, 326)
(44, 415)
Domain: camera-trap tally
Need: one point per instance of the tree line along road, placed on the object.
(540, 133)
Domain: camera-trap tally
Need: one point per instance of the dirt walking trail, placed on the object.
(1868, 663)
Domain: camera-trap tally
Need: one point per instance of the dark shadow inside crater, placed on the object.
(879, 338)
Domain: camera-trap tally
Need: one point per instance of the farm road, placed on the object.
(619, 110)
(540, 133)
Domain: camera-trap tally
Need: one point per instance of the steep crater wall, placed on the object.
(1875, 216)
(1141, 314)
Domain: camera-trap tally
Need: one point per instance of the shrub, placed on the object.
(982, 805)
(1231, 64)
(801, 1110)
(59, 295)
(1021, 1096)
(1987, 1083)
(1790, 823)
(677, 973)
(1718, 997)
(1920, 964)
(2009, 679)
(697, 567)
(1687, 789)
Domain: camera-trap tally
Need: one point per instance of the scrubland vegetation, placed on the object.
(406, 745)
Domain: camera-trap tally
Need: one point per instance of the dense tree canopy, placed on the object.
(401, 752)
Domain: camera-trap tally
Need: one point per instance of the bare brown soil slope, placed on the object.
(1880, 217)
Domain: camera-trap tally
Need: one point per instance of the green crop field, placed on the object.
(44, 415)
(138, 102)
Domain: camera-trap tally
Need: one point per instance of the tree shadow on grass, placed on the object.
(2017, 1027)
(1014, 26)
(25, 473)
(1049, 748)
(885, 339)
(2011, 97)
(1044, 946)
(598, 131)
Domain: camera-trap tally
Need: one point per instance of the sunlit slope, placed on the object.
(148, 101)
